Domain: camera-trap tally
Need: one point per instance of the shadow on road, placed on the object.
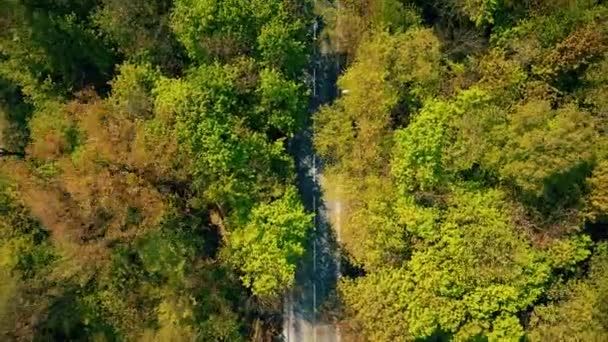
(317, 274)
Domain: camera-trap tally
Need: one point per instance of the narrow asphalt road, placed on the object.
(305, 318)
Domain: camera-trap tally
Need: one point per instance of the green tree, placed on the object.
(385, 85)
(211, 30)
(144, 147)
(225, 145)
(53, 41)
(578, 309)
(471, 185)
(267, 248)
(140, 30)
(469, 279)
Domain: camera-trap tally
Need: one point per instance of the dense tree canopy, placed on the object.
(147, 192)
(468, 150)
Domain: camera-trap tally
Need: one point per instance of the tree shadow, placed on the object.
(556, 210)
(63, 321)
(16, 115)
(317, 273)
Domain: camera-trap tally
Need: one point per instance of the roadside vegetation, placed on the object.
(469, 153)
(146, 191)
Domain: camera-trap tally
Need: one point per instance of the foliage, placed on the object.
(347, 24)
(472, 278)
(479, 11)
(419, 148)
(265, 250)
(14, 116)
(43, 41)
(598, 200)
(226, 145)
(580, 312)
(140, 30)
(471, 182)
(147, 192)
(385, 85)
(543, 143)
(228, 29)
(25, 259)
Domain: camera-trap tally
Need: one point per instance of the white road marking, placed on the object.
(295, 326)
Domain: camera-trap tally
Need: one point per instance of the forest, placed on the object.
(148, 191)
